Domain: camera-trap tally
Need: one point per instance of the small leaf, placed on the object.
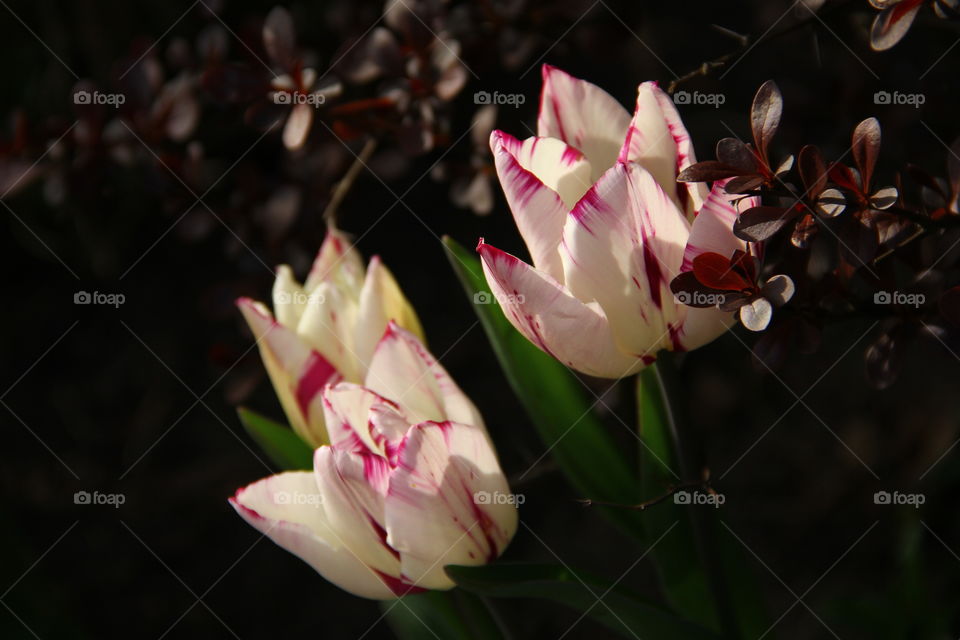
(279, 37)
(884, 198)
(278, 441)
(743, 184)
(813, 171)
(756, 314)
(892, 24)
(866, 147)
(760, 223)
(735, 153)
(715, 271)
(707, 171)
(831, 203)
(778, 290)
(765, 115)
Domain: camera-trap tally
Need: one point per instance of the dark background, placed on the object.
(140, 400)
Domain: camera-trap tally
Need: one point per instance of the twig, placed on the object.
(343, 186)
(706, 68)
(646, 504)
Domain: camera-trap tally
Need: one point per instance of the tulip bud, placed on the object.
(325, 330)
(596, 200)
(403, 488)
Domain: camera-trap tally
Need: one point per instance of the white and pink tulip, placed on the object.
(325, 330)
(401, 490)
(595, 198)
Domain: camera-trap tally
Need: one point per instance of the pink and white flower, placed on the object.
(325, 330)
(401, 490)
(595, 197)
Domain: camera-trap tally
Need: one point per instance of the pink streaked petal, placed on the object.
(537, 210)
(659, 142)
(433, 515)
(381, 300)
(557, 165)
(549, 316)
(298, 373)
(327, 324)
(622, 246)
(712, 229)
(352, 487)
(584, 116)
(357, 420)
(288, 509)
(406, 373)
(337, 261)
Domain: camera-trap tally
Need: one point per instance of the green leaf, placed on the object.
(278, 441)
(441, 614)
(616, 608)
(556, 403)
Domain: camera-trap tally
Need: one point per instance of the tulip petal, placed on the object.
(575, 333)
(622, 245)
(353, 487)
(712, 229)
(360, 420)
(298, 373)
(658, 141)
(337, 261)
(327, 324)
(436, 513)
(289, 297)
(560, 167)
(274, 507)
(404, 371)
(584, 116)
(381, 300)
(537, 209)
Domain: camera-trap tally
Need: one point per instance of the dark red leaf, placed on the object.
(813, 171)
(765, 115)
(708, 171)
(734, 152)
(715, 271)
(760, 223)
(866, 148)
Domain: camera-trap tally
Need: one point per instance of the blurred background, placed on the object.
(187, 190)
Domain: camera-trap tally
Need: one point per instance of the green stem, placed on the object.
(663, 376)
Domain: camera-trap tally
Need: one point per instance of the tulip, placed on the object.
(408, 484)
(325, 330)
(608, 227)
